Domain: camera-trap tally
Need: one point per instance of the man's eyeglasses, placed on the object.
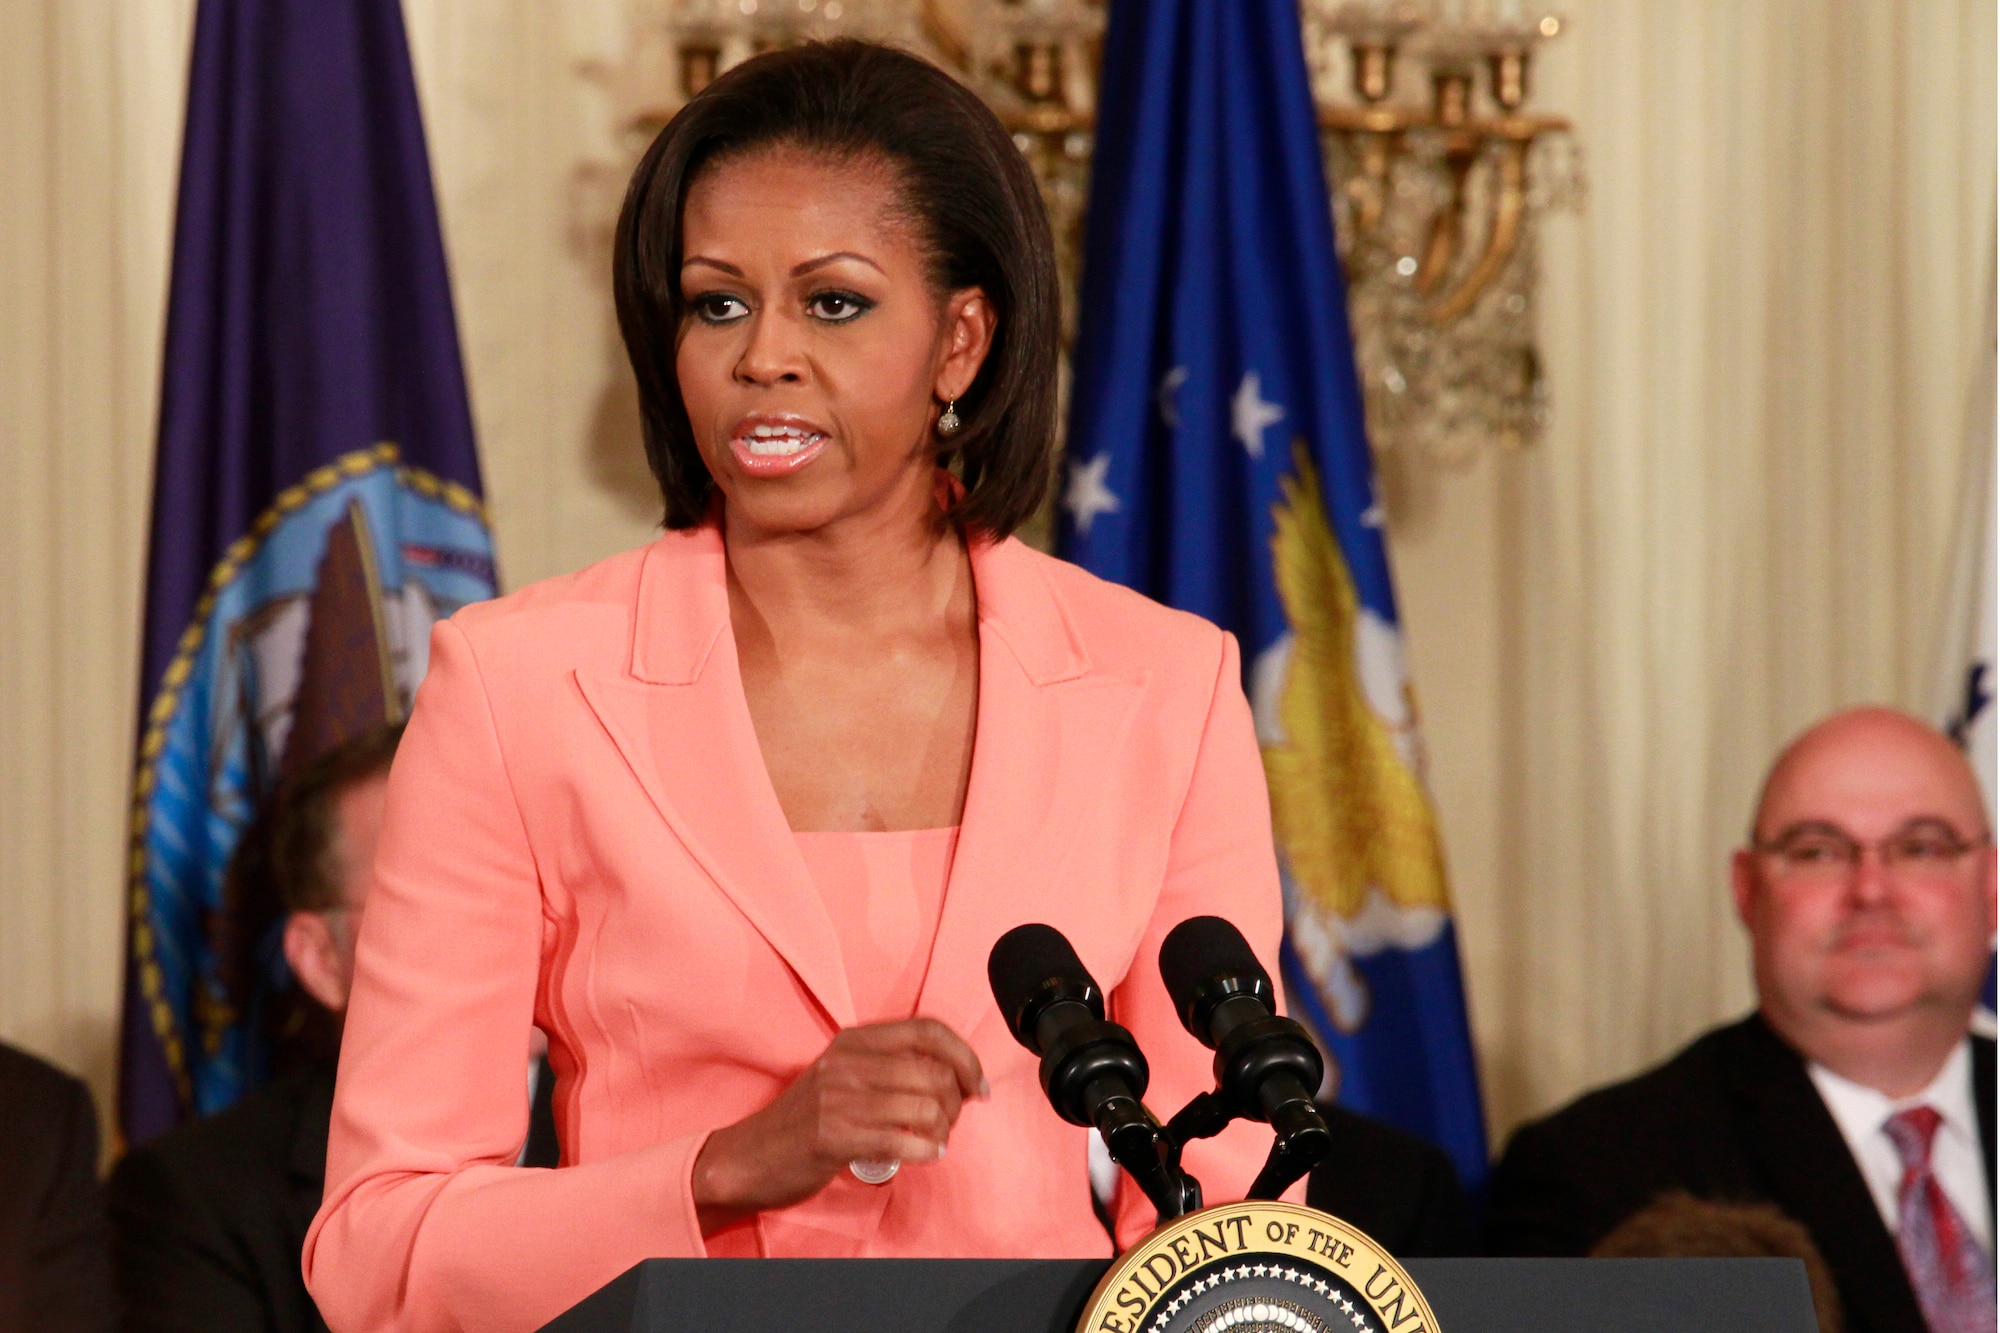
(1924, 849)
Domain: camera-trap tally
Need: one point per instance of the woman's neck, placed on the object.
(879, 571)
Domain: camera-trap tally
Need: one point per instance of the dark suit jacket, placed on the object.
(1398, 1188)
(1734, 1117)
(209, 1221)
(54, 1273)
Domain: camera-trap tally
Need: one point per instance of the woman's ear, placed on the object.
(969, 322)
(316, 959)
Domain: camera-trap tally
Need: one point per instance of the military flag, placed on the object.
(316, 502)
(1217, 462)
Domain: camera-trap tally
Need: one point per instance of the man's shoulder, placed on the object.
(1690, 1086)
(40, 1101)
(241, 1152)
(48, 1143)
(1400, 1189)
(1399, 1148)
(1566, 1179)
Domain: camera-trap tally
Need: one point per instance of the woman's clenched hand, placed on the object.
(881, 1092)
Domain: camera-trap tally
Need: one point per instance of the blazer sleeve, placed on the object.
(1221, 862)
(427, 1223)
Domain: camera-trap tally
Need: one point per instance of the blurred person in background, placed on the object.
(209, 1220)
(54, 1272)
(1679, 1226)
(1400, 1189)
(1856, 1099)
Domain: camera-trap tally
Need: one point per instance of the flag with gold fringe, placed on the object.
(1217, 461)
(316, 504)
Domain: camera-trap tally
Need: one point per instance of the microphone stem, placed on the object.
(1137, 1143)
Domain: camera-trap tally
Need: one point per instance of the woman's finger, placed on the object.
(947, 1047)
(889, 1145)
(919, 1115)
(896, 1073)
(927, 1037)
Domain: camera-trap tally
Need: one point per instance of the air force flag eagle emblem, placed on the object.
(1213, 334)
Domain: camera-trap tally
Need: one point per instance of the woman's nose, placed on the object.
(775, 353)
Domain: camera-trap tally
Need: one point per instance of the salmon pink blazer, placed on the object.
(581, 836)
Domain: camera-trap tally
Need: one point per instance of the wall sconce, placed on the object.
(1436, 199)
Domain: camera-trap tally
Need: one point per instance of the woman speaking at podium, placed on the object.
(735, 818)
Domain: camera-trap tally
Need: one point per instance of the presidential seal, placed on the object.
(1257, 1267)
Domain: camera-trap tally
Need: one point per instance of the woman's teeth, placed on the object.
(777, 441)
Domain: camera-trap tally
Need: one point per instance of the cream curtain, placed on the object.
(90, 98)
(1759, 335)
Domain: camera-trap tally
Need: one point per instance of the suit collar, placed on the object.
(1046, 721)
(1811, 1175)
(1047, 724)
(680, 720)
(683, 608)
(1019, 605)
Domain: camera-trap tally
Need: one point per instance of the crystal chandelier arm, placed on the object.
(1446, 232)
(1509, 214)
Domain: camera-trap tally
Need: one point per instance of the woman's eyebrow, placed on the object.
(730, 269)
(800, 270)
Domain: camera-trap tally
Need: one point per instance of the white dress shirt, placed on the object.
(1956, 1157)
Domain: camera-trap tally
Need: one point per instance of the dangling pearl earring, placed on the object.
(947, 423)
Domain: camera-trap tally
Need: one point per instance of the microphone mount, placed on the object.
(1266, 1067)
(1092, 1069)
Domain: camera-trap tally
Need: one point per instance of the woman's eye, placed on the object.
(838, 307)
(718, 308)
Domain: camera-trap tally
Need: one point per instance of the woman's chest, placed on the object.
(860, 740)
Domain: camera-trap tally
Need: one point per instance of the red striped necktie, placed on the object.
(1953, 1277)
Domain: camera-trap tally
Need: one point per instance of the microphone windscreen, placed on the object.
(1202, 947)
(1024, 961)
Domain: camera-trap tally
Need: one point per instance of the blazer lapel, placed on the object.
(1046, 723)
(1813, 1178)
(684, 700)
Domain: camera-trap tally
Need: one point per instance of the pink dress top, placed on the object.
(885, 893)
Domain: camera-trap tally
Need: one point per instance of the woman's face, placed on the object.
(814, 356)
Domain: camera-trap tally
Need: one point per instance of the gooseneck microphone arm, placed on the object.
(1092, 1070)
(1266, 1067)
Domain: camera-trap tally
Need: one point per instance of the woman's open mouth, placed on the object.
(775, 447)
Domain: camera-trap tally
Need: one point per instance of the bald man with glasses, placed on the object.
(1856, 1099)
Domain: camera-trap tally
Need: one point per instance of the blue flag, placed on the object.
(1217, 462)
(316, 502)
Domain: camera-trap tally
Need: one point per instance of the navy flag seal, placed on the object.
(1257, 1267)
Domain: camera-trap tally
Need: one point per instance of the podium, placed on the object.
(1046, 1296)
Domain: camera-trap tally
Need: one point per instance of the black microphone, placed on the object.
(1092, 1070)
(1266, 1067)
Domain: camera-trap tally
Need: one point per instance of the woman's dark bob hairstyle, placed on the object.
(964, 184)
